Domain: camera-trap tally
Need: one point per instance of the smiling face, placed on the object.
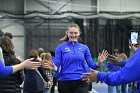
(73, 34)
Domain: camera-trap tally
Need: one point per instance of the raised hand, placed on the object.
(102, 57)
(133, 47)
(114, 60)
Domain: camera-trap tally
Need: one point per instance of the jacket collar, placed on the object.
(71, 43)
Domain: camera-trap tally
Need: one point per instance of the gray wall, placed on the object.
(16, 28)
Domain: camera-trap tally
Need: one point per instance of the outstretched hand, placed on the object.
(92, 77)
(114, 60)
(28, 64)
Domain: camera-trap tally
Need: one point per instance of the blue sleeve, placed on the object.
(5, 70)
(129, 73)
(123, 62)
(58, 57)
(107, 65)
(89, 59)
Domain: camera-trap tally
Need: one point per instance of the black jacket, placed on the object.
(33, 82)
(10, 84)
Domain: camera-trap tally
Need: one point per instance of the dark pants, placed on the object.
(72, 86)
(54, 84)
(32, 92)
(90, 86)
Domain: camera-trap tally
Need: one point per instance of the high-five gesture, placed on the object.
(102, 57)
(50, 65)
(90, 77)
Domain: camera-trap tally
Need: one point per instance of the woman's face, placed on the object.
(73, 34)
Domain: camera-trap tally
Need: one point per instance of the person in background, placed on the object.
(33, 82)
(46, 57)
(10, 84)
(112, 68)
(71, 56)
(123, 86)
(40, 50)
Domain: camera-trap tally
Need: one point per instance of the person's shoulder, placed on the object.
(62, 44)
(83, 45)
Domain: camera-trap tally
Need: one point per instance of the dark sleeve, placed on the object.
(20, 77)
(43, 73)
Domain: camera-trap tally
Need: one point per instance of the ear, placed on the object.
(66, 32)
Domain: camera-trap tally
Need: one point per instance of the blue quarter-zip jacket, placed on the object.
(71, 60)
(5, 70)
(130, 72)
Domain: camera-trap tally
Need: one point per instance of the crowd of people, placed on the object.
(71, 66)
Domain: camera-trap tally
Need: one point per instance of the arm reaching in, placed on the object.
(28, 64)
(8, 70)
(129, 73)
(114, 60)
(90, 77)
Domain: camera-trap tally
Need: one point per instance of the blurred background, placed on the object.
(105, 24)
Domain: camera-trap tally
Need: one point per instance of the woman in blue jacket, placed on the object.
(70, 56)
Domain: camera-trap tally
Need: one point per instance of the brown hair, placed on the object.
(33, 54)
(72, 24)
(9, 35)
(7, 45)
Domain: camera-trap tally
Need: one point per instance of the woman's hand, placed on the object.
(28, 64)
(50, 65)
(90, 77)
(102, 57)
(133, 47)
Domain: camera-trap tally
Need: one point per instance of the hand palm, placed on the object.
(102, 56)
